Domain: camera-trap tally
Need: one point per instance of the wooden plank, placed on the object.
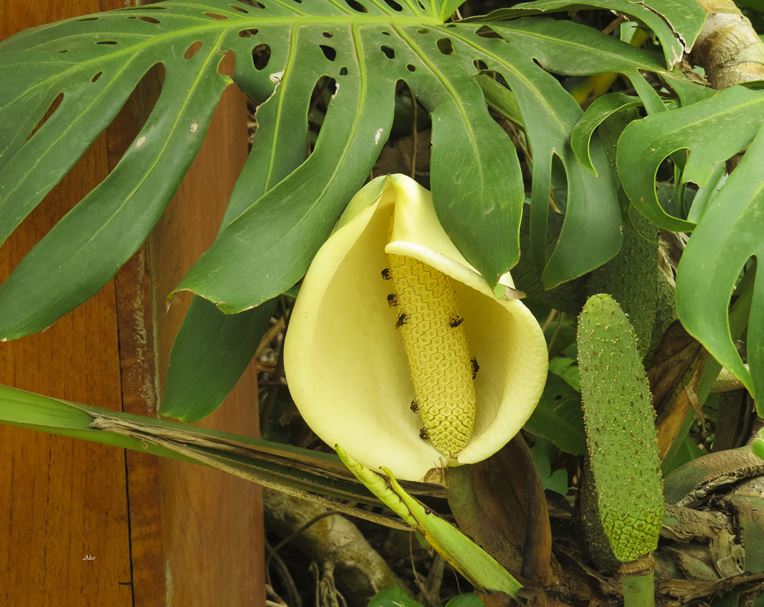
(192, 517)
(201, 507)
(61, 500)
(137, 360)
(188, 536)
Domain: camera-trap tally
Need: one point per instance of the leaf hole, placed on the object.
(423, 30)
(227, 63)
(357, 6)
(411, 68)
(107, 42)
(486, 32)
(329, 52)
(261, 55)
(96, 76)
(63, 50)
(248, 33)
(87, 19)
(394, 5)
(239, 8)
(216, 16)
(499, 78)
(256, 4)
(343, 71)
(389, 52)
(323, 92)
(385, 33)
(445, 46)
(408, 154)
(52, 108)
(192, 50)
(480, 65)
(559, 192)
(327, 34)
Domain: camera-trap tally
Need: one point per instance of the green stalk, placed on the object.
(303, 473)
(464, 555)
(639, 589)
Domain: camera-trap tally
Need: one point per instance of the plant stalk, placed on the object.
(638, 579)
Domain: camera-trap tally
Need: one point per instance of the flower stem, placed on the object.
(639, 589)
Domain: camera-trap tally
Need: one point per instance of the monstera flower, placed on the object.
(399, 350)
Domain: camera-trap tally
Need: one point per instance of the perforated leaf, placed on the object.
(729, 230)
(676, 23)
(712, 131)
(728, 235)
(82, 70)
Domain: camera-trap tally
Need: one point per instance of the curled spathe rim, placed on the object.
(344, 359)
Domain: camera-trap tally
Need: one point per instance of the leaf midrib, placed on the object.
(423, 57)
(564, 129)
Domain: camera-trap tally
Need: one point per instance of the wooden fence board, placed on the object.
(161, 533)
(62, 501)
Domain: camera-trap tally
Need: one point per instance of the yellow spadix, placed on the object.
(391, 318)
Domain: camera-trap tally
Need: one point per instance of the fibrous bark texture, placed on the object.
(728, 47)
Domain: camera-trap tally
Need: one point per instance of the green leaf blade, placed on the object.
(209, 356)
(476, 181)
(598, 112)
(109, 225)
(558, 417)
(676, 23)
(712, 131)
(34, 169)
(570, 48)
(728, 236)
(299, 213)
(212, 349)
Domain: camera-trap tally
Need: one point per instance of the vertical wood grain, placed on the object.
(137, 360)
(162, 533)
(204, 507)
(62, 500)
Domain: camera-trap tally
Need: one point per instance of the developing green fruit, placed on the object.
(624, 490)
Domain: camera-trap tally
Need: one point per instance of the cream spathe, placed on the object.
(344, 358)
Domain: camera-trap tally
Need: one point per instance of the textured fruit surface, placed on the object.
(631, 277)
(437, 351)
(620, 428)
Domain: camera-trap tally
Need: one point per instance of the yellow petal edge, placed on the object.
(344, 359)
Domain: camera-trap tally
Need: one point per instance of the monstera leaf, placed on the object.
(676, 23)
(730, 223)
(77, 74)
